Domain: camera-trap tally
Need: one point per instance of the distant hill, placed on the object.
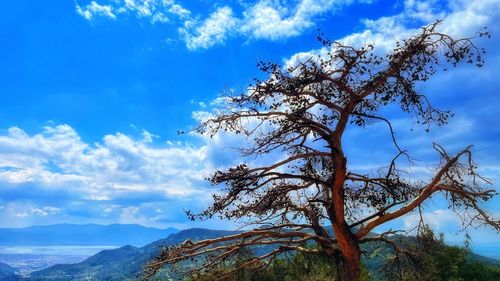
(6, 270)
(82, 235)
(124, 263)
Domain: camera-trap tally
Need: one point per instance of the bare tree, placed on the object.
(310, 194)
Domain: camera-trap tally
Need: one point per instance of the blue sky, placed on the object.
(92, 94)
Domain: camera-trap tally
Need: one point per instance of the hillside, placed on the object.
(6, 270)
(82, 235)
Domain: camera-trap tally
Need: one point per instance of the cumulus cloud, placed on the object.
(55, 176)
(15, 214)
(440, 220)
(57, 157)
(94, 10)
(262, 19)
(155, 10)
(276, 20)
(43, 212)
(176, 9)
(265, 19)
(446, 222)
(211, 31)
(460, 18)
(272, 20)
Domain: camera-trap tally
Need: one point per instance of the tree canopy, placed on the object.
(311, 194)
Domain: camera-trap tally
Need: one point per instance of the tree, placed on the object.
(311, 195)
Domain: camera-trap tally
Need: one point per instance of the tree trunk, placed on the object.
(350, 267)
(349, 261)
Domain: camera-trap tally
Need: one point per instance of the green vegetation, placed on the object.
(451, 263)
(301, 266)
(430, 260)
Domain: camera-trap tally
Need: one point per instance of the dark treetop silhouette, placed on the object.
(302, 112)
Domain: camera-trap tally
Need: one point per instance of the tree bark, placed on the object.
(350, 265)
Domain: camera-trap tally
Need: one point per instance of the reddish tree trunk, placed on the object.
(350, 266)
(350, 254)
(349, 263)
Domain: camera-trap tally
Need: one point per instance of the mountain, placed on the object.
(483, 259)
(124, 263)
(6, 270)
(82, 235)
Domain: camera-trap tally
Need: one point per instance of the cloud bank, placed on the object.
(42, 171)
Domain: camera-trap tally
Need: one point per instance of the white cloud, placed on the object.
(25, 211)
(271, 20)
(424, 10)
(45, 211)
(58, 158)
(148, 137)
(470, 16)
(93, 9)
(460, 18)
(263, 19)
(275, 20)
(266, 19)
(214, 30)
(155, 10)
(53, 176)
(439, 220)
(177, 9)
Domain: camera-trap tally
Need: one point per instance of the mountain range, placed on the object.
(82, 235)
